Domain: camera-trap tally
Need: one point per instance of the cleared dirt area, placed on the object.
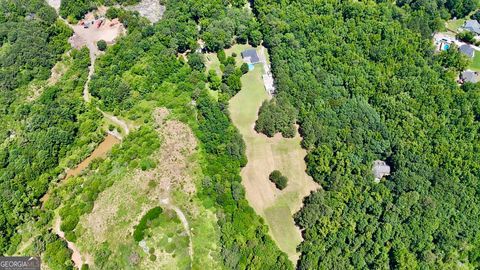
(108, 31)
(55, 4)
(268, 154)
(150, 9)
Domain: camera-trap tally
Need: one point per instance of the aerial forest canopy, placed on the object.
(143, 67)
(367, 87)
(360, 78)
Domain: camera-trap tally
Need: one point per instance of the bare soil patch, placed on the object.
(150, 9)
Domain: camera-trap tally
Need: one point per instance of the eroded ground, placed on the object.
(176, 238)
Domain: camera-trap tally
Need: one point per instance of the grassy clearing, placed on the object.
(120, 207)
(237, 49)
(475, 65)
(168, 242)
(265, 155)
(212, 62)
(454, 25)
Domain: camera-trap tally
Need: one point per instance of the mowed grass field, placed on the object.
(268, 154)
(475, 65)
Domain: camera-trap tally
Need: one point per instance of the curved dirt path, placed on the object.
(116, 120)
(186, 226)
(76, 255)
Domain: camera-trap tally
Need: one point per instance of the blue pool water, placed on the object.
(251, 66)
(446, 47)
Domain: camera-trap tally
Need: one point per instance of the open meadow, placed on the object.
(265, 155)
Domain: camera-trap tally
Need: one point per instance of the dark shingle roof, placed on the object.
(467, 50)
(472, 26)
(252, 54)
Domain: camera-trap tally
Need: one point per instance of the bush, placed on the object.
(102, 45)
(466, 36)
(278, 179)
(476, 16)
(221, 56)
(244, 68)
(139, 231)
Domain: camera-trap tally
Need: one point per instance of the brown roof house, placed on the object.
(380, 169)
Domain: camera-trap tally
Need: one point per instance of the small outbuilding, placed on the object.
(469, 76)
(380, 169)
(472, 26)
(250, 56)
(467, 50)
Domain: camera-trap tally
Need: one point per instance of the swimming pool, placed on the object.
(446, 47)
(251, 66)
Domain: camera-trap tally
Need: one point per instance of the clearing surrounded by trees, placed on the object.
(265, 155)
(170, 185)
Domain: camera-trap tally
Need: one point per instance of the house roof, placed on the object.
(380, 169)
(470, 76)
(467, 50)
(252, 55)
(472, 26)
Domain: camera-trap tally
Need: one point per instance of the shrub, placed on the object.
(244, 68)
(139, 231)
(466, 36)
(278, 179)
(102, 45)
(221, 56)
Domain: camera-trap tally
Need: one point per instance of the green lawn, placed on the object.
(475, 65)
(265, 155)
(453, 25)
(212, 62)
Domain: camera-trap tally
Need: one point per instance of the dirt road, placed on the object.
(76, 255)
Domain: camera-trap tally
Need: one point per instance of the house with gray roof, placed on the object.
(472, 26)
(250, 56)
(467, 50)
(380, 169)
(469, 76)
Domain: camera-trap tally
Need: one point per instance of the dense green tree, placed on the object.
(102, 45)
(244, 68)
(466, 36)
(214, 80)
(453, 59)
(195, 61)
(274, 117)
(278, 179)
(367, 86)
